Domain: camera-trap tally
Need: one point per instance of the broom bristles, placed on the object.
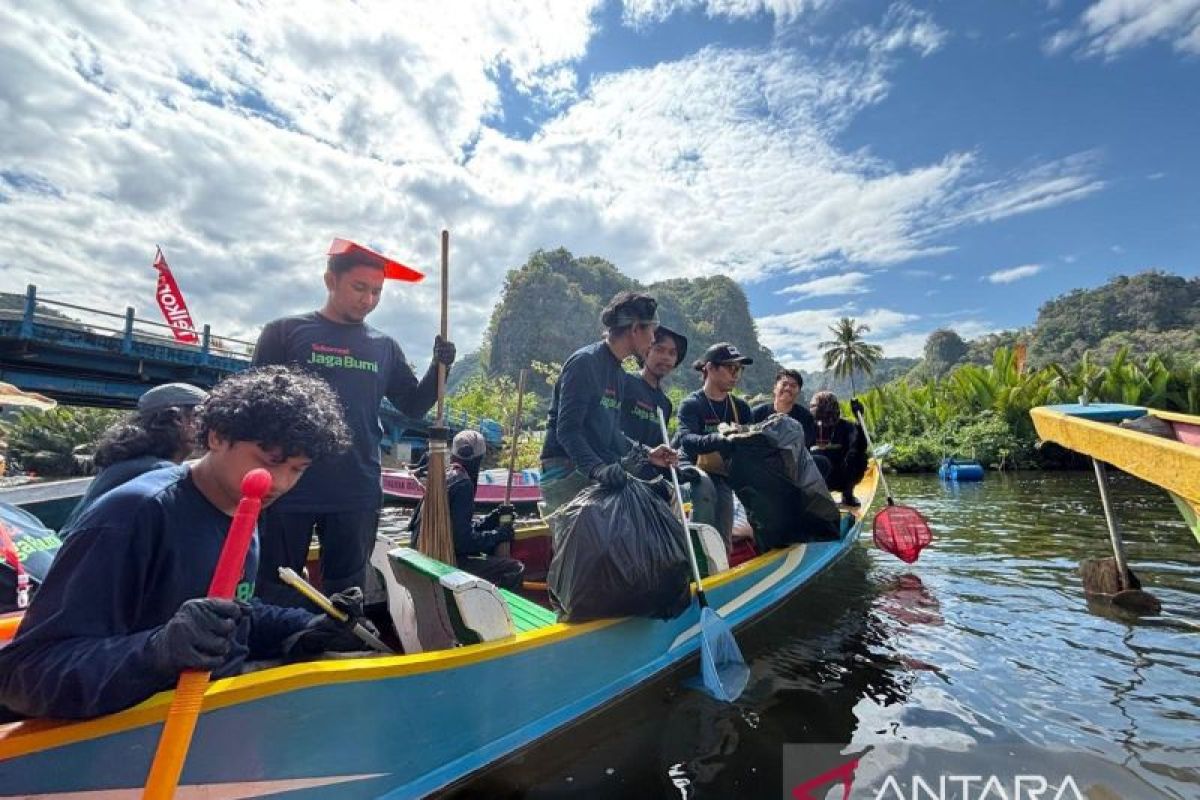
(436, 539)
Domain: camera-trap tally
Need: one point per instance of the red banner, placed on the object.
(170, 302)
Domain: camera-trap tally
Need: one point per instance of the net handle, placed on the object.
(878, 461)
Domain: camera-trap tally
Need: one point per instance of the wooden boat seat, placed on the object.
(453, 607)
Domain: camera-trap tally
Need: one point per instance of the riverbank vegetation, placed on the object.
(982, 412)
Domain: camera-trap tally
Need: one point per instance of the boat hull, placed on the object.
(400, 726)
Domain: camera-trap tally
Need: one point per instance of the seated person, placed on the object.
(475, 542)
(700, 415)
(843, 443)
(161, 434)
(742, 530)
(123, 609)
(788, 383)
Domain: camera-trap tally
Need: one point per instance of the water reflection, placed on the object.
(988, 639)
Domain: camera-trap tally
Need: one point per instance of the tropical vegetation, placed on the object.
(57, 442)
(982, 412)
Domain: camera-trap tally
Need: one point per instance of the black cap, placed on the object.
(680, 342)
(722, 353)
(179, 395)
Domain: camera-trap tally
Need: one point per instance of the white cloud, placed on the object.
(903, 27)
(829, 286)
(795, 336)
(243, 138)
(640, 13)
(1109, 27)
(1012, 273)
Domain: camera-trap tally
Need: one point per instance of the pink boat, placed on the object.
(399, 484)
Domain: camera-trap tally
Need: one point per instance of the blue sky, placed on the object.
(914, 165)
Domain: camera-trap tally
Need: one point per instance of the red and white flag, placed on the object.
(170, 302)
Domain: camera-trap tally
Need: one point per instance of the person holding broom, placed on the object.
(123, 609)
(584, 442)
(475, 542)
(340, 498)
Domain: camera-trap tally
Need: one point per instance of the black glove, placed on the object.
(505, 533)
(689, 473)
(856, 407)
(508, 513)
(325, 633)
(490, 520)
(444, 351)
(611, 476)
(198, 636)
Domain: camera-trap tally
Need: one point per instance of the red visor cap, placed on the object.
(391, 269)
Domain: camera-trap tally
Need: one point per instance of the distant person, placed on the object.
(584, 442)
(700, 416)
(843, 443)
(339, 499)
(160, 434)
(475, 542)
(124, 607)
(644, 396)
(788, 383)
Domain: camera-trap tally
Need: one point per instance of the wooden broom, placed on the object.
(503, 548)
(436, 539)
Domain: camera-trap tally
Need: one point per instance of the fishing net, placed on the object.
(722, 667)
(903, 532)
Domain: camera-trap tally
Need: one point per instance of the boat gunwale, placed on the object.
(1122, 447)
(31, 736)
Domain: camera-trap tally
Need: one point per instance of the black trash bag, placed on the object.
(34, 545)
(618, 553)
(778, 482)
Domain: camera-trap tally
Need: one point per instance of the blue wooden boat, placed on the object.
(401, 726)
(953, 469)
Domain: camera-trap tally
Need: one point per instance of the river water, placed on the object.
(986, 643)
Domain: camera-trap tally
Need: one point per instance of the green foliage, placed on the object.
(1146, 306)
(55, 443)
(847, 353)
(496, 398)
(943, 349)
(551, 307)
(983, 411)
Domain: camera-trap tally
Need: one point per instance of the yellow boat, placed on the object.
(1170, 463)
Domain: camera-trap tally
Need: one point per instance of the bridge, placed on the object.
(95, 357)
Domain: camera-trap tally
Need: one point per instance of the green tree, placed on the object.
(57, 442)
(847, 353)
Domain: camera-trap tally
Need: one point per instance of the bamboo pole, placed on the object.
(503, 548)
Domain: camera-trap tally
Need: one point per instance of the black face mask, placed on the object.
(472, 467)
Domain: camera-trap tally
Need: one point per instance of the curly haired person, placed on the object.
(123, 609)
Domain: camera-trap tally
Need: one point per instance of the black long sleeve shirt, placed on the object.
(584, 423)
(132, 559)
(699, 418)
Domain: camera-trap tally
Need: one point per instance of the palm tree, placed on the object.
(847, 353)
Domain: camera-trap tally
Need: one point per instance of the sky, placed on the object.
(911, 165)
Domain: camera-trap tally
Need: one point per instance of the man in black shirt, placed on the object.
(644, 395)
(700, 416)
(788, 383)
(124, 607)
(583, 430)
(340, 498)
(843, 443)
